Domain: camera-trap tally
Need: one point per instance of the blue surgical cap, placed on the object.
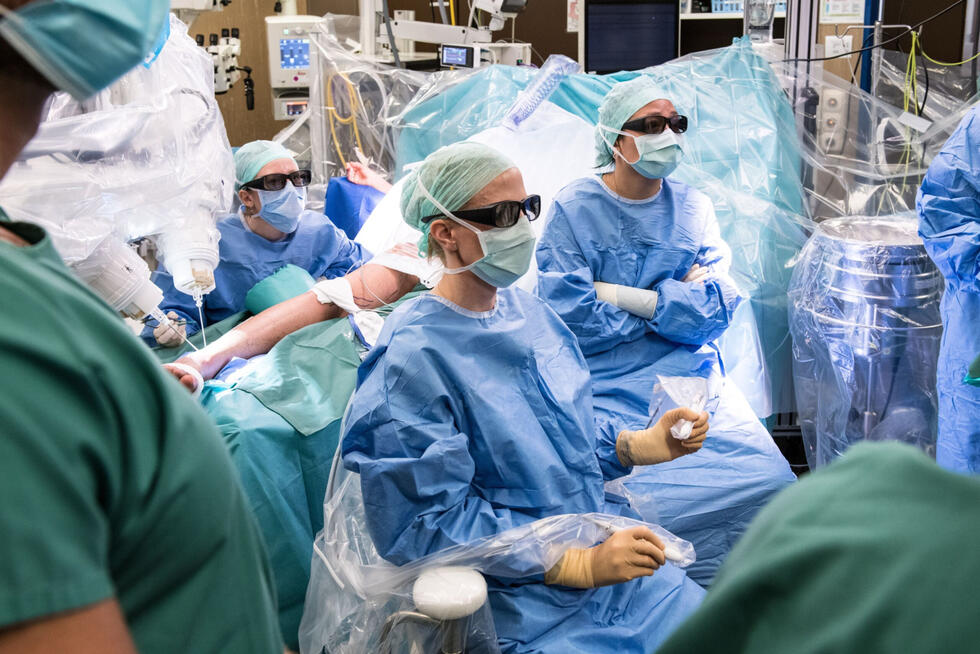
(252, 157)
(623, 100)
(452, 175)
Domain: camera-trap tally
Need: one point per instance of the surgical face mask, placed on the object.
(83, 46)
(659, 154)
(507, 251)
(282, 209)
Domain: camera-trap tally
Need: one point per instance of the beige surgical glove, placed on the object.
(696, 273)
(656, 445)
(627, 554)
(170, 335)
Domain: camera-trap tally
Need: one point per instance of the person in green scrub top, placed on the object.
(876, 553)
(123, 527)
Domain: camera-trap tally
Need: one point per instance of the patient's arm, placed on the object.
(372, 285)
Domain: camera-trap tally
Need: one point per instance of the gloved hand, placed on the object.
(696, 273)
(627, 554)
(656, 445)
(170, 335)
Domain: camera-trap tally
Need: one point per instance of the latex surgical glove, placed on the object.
(170, 335)
(696, 273)
(656, 445)
(627, 554)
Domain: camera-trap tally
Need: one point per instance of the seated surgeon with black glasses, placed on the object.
(273, 234)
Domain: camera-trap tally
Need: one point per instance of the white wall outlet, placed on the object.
(838, 45)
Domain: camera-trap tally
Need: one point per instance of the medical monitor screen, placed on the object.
(294, 54)
(624, 35)
(457, 56)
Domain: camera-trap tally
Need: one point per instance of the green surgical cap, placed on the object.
(623, 100)
(251, 157)
(452, 175)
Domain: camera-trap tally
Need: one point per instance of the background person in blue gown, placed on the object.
(949, 223)
(272, 229)
(635, 265)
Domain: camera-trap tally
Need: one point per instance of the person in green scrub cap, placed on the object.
(874, 554)
(123, 528)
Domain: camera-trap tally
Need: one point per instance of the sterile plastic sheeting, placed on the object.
(689, 392)
(148, 156)
(862, 155)
(866, 331)
(453, 106)
(353, 102)
(949, 87)
(296, 138)
(353, 591)
(156, 153)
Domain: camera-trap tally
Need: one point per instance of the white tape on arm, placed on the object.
(638, 301)
(336, 291)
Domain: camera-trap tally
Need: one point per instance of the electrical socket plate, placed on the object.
(838, 45)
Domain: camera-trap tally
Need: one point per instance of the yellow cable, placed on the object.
(333, 115)
(943, 63)
(452, 12)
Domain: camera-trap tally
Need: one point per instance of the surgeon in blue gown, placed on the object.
(473, 415)
(635, 265)
(272, 230)
(949, 223)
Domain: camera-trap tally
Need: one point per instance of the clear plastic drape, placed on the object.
(866, 332)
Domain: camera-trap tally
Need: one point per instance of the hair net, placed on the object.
(452, 175)
(251, 157)
(623, 100)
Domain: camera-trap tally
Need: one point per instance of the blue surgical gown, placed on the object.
(595, 235)
(949, 223)
(464, 425)
(246, 258)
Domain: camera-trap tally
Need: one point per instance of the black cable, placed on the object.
(925, 68)
(883, 43)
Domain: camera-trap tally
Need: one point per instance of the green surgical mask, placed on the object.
(659, 154)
